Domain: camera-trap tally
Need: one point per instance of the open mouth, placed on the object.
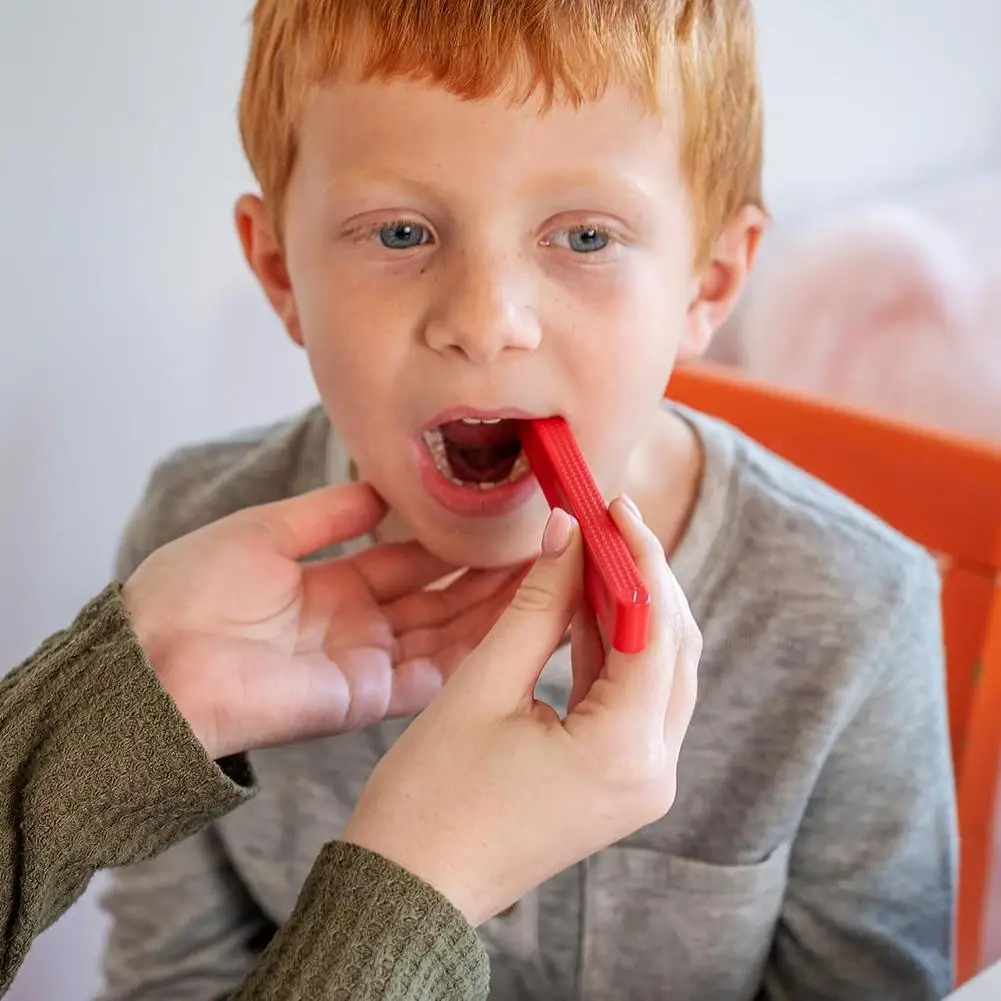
(478, 454)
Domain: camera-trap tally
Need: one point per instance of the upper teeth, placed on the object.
(477, 420)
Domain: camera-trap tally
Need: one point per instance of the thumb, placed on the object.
(505, 667)
(312, 521)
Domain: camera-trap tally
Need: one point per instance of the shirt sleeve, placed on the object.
(98, 769)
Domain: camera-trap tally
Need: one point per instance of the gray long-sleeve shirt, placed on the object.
(811, 851)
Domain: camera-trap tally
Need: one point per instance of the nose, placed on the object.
(482, 310)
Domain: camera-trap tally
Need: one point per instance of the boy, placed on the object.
(475, 210)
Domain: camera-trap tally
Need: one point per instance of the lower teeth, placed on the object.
(436, 446)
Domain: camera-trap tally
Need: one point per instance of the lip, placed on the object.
(463, 501)
(494, 503)
(461, 413)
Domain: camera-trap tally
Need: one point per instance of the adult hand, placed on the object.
(258, 649)
(489, 792)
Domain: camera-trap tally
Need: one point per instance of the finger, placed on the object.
(396, 569)
(443, 663)
(684, 688)
(504, 669)
(415, 684)
(644, 680)
(464, 631)
(447, 647)
(587, 654)
(427, 609)
(280, 702)
(310, 522)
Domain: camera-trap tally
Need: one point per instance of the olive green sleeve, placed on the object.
(98, 769)
(365, 930)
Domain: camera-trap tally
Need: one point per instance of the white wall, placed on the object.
(129, 324)
(867, 95)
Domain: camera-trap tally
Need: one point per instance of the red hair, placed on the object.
(569, 50)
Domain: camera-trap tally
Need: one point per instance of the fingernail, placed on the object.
(631, 506)
(559, 530)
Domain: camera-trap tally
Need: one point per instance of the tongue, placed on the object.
(481, 453)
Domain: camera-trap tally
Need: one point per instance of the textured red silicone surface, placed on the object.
(614, 586)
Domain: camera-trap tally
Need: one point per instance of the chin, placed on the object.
(484, 543)
(480, 554)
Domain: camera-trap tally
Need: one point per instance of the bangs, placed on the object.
(564, 52)
(700, 51)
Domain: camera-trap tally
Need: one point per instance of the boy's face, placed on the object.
(446, 259)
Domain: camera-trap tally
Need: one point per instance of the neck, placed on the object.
(663, 477)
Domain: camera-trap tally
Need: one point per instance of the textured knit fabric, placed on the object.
(364, 929)
(99, 769)
(811, 851)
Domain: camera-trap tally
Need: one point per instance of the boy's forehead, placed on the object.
(348, 122)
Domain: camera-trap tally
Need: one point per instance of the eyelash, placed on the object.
(570, 231)
(370, 233)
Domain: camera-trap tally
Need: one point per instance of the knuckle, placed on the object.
(272, 532)
(678, 627)
(685, 633)
(637, 769)
(534, 597)
(660, 803)
(652, 550)
(637, 776)
(692, 636)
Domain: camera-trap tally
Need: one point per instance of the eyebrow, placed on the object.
(382, 177)
(601, 183)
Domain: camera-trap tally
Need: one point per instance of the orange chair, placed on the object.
(944, 493)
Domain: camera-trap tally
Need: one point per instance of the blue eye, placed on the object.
(403, 236)
(587, 240)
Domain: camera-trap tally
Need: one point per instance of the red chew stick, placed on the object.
(612, 579)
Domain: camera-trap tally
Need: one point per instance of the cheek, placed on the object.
(624, 390)
(620, 361)
(627, 335)
(353, 354)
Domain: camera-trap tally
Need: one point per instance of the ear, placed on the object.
(266, 257)
(720, 283)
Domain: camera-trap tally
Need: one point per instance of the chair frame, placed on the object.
(945, 493)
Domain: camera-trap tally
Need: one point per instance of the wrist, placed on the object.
(431, 867)
(145, 631)
(173, 672)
